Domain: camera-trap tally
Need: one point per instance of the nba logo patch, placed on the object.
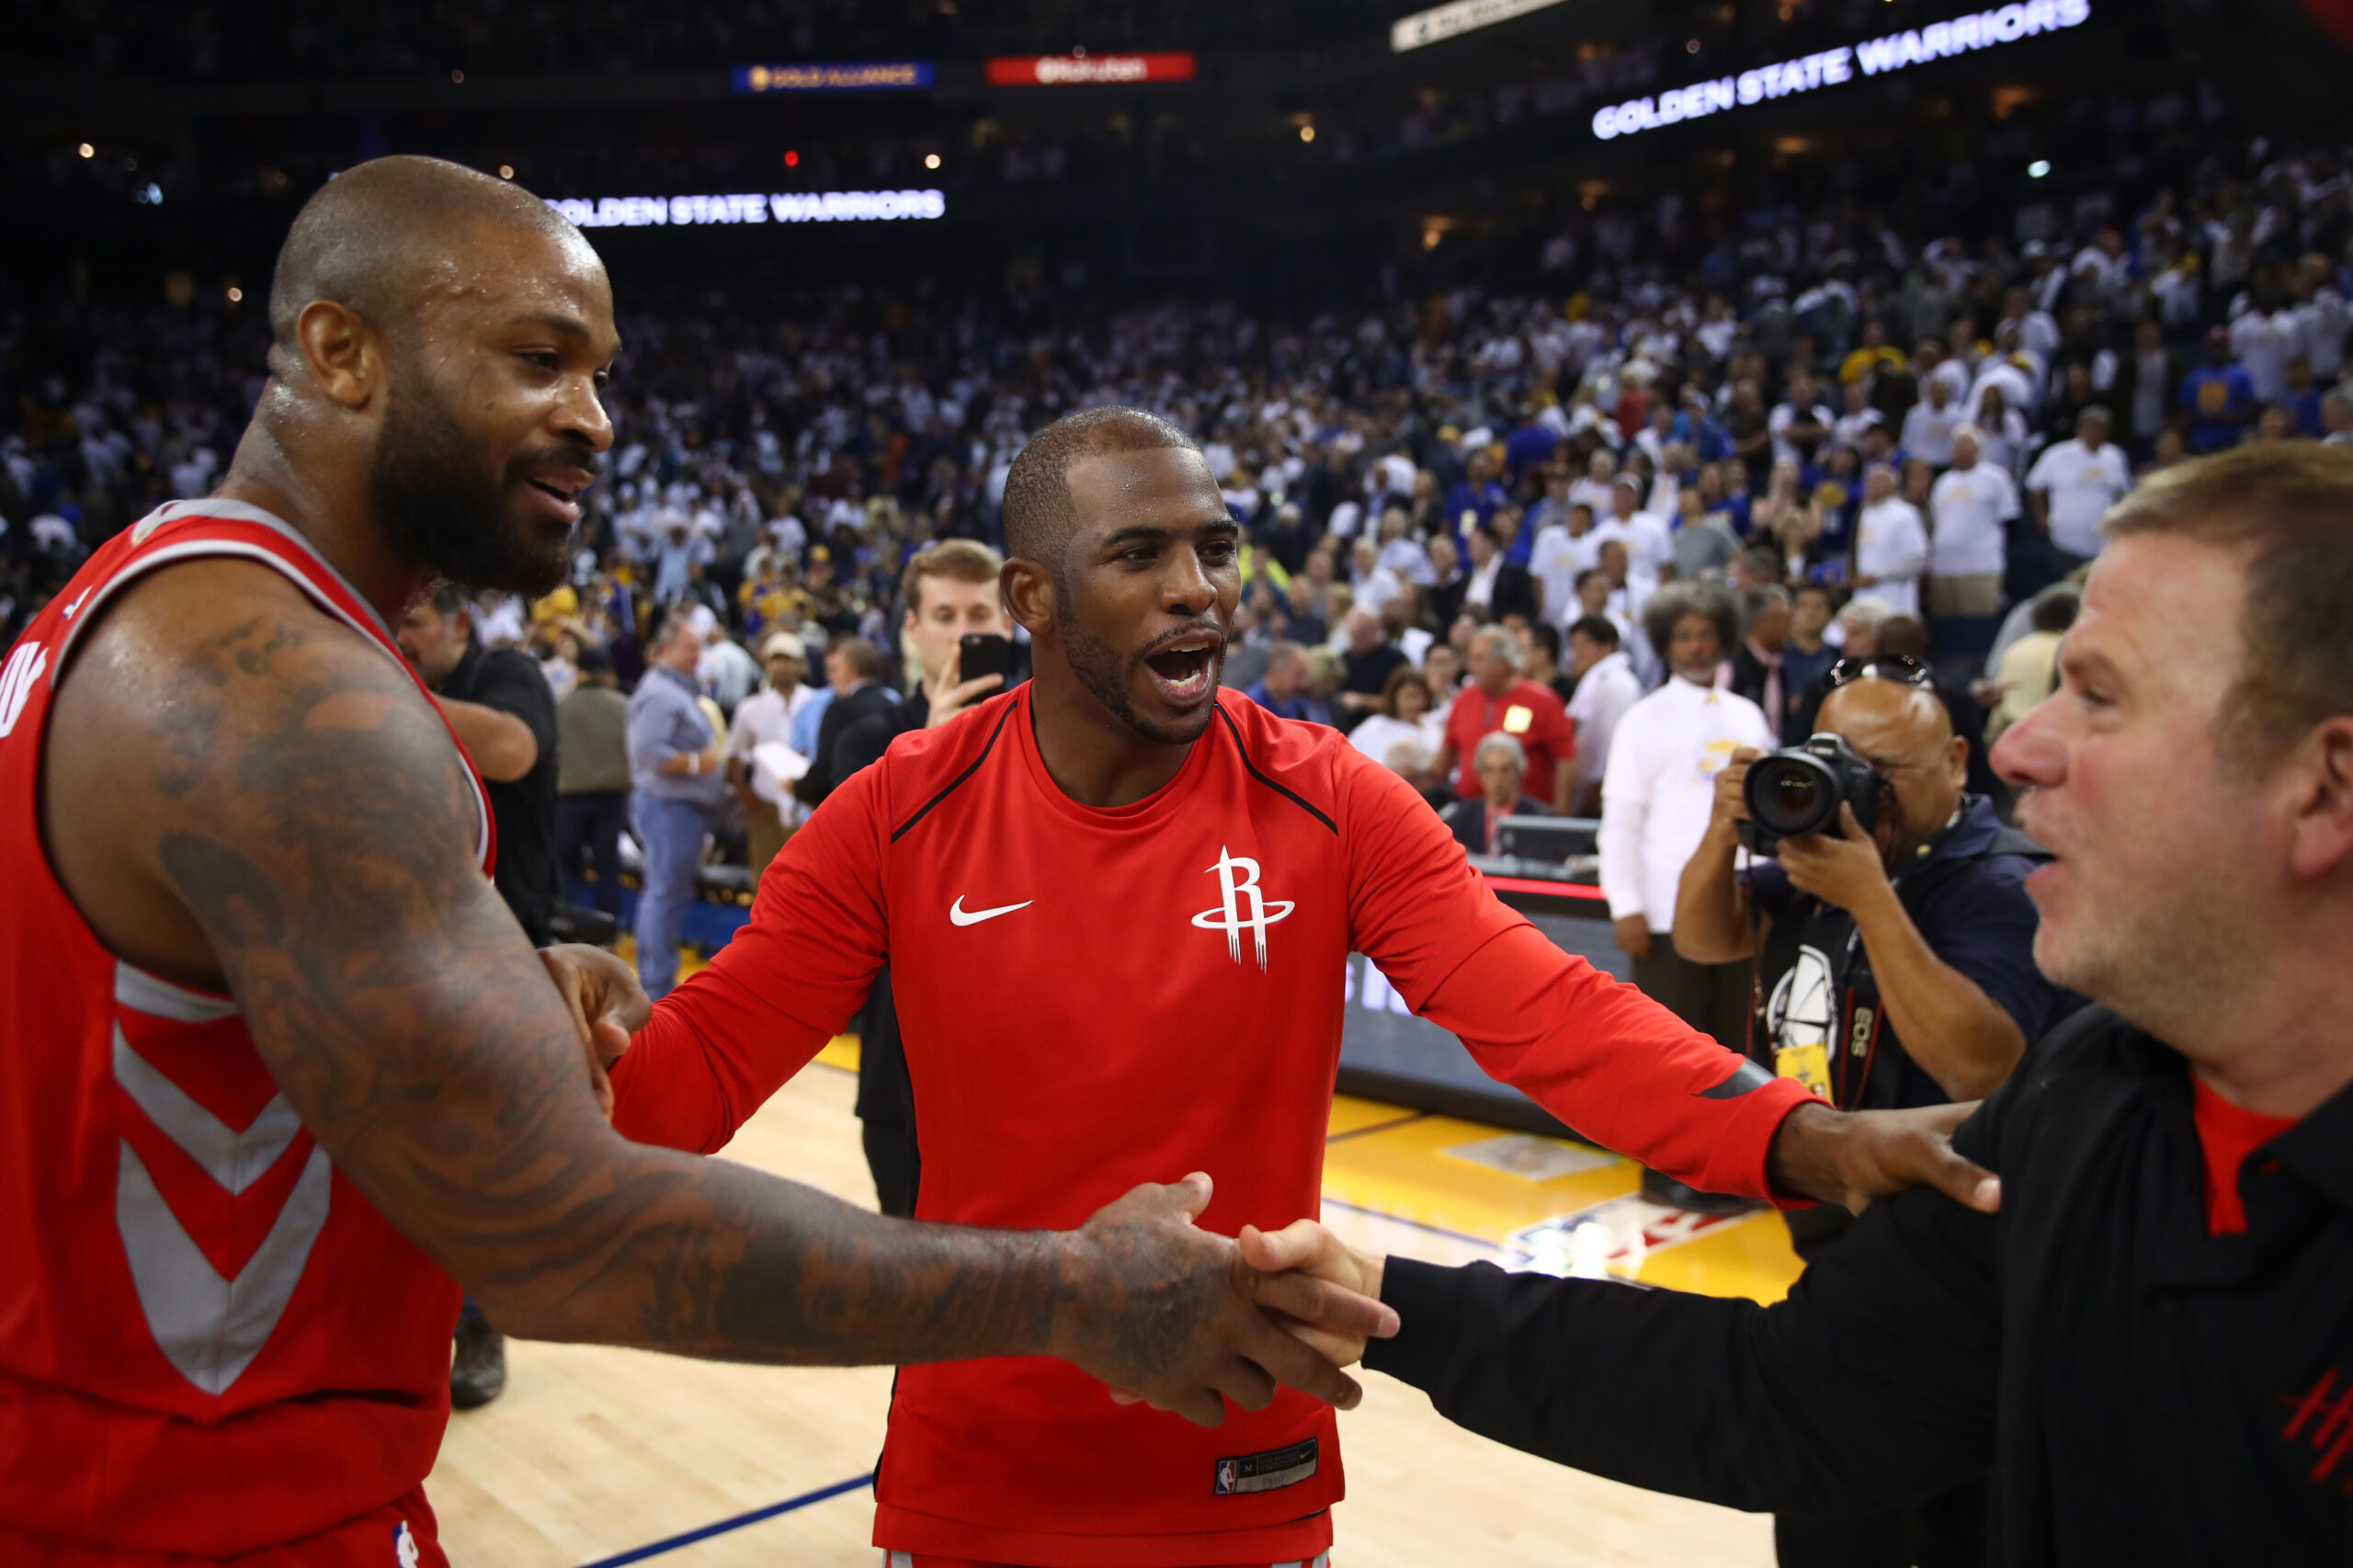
(404, 1549)
(1269, 1471)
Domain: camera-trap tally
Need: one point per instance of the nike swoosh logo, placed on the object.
(959, 915)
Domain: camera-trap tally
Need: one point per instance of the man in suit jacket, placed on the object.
(856, 668)
(1502, 763)
(1495, 588)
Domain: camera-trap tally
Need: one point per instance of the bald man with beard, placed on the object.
(280, 1074)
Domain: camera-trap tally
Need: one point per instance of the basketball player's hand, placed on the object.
(1172, 1315)
(1307, 1246)
(1851, 1157)
(608, 1006)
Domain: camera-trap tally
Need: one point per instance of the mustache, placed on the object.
(588, 464)
(1209, 624)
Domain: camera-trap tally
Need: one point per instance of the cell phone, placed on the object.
(984, 654)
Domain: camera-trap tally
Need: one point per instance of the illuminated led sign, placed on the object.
(1443, 22)
(794, 207)
(1087, 70)
(866, 78)
(1875, 57)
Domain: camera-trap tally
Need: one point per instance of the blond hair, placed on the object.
(965, 560)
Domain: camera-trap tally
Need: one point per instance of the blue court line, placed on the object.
(1395, 1220)
(672, 1543)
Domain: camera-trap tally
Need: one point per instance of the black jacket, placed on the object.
(863, 743)
(523, 810)
(1445, 602)
(1514, 593)
(1750, 677)
(2142, 1392)
(1467, 819)
(841, 713)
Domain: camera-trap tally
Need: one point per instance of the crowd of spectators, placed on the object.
(1458, 509)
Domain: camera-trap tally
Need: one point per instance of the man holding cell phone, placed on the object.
(955, 628)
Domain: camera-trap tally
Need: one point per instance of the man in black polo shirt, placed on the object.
(501, 710)
(2149, 1348)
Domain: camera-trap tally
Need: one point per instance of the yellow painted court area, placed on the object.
(1393, 1163)
(596, 1452)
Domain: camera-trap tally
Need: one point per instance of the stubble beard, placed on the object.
(2158, 964)
(1102, 670)
(425, 489)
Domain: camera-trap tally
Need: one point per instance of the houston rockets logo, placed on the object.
(2326, 1424)
(1240, 908)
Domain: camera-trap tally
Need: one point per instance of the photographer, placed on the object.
(1896, 968)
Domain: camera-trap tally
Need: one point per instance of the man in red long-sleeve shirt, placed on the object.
(1118, 903)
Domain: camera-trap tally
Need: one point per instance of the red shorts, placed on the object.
(917, 1560)
(401, 1534)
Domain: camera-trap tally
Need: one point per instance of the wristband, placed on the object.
(694, 763)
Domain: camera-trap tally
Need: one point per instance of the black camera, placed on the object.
(1798, 790)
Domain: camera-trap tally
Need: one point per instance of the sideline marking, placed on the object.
(672, 1543)
(1392, 1218)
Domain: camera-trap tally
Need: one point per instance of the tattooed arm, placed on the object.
(242, 792)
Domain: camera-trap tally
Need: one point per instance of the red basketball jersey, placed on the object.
(211, 1342)
(1091, 999)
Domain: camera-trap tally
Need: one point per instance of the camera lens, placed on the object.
(1795, 796)
(1790, 794)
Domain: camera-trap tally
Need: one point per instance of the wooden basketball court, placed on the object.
(597, 1456)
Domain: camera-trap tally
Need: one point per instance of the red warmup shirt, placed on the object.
(2228, 1134)
(1091, 999)
(211, 1342)
(1530, 713)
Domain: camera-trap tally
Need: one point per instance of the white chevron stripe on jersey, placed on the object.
(209, 1327)
(142, 992)
(236, 1159)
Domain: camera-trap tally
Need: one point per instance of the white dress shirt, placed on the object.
(1659, 787)
(765, 718)
(2082, 484)
(1970, 507)
(1892, 544)
(1601, 701)
(1479, 594)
